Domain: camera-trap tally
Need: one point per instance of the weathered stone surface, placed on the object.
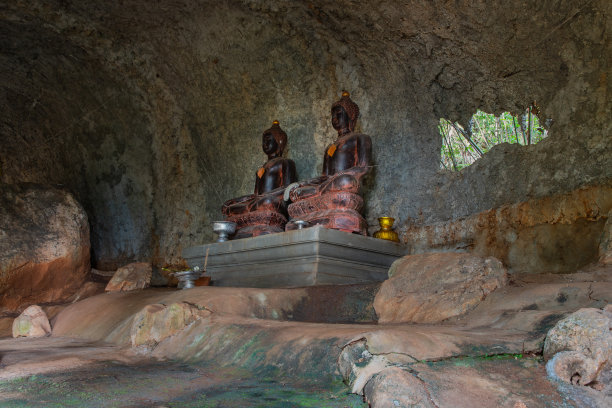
(579, 347)
(88, 289)
(573, 367)
(557, 234)
(512, 382)
(131, 277)
(394, 387)
(244, 331)
(66, 372)
(535, 303)
(108, 317)
(44, 245)
(157, 322)
(32, 322)
(429, 288)
(357, 365)
(587, 331)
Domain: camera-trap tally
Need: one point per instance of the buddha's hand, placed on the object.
(288, 191)
(305, 189)
(235, 205)
(348, 181)
(357, 171)
(278, 191)
(268, 202)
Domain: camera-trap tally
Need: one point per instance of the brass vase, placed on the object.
(386, 230)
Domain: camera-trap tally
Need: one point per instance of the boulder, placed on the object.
(44, 245)
(32, 322)
(429, 288)
(394, 387)
(357, 365)
(573, 367)
(579, 347)
(156, 322)
(133, 276)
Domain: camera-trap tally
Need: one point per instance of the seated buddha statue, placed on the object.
(332, 200)
(264, 211)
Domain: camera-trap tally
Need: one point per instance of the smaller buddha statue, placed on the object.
(333, 199)
(264, 211)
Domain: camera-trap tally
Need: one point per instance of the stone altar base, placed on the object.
(307, 257)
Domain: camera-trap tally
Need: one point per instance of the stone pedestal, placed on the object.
(307, 257)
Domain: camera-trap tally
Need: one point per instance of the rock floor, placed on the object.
(246, 353)
(63, 372)
(164, 384)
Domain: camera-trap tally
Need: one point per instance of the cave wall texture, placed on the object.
(151, 113)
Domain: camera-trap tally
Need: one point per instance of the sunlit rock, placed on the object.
(357, 365)
(579, 347)
(156, 322)
(429, 288)
(32, 322)
(394, 387)
(131, 277)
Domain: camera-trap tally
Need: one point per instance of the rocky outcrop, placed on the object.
(395, 387)
(429, 288)
(557, 234)
(32, 322)
(357, 365)
(156, 322)
(131, 277)
(469, 364)
(44, 245)
(579, 347)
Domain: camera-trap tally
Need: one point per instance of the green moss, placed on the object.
(173, 385)
(23, 326)
(242, 350)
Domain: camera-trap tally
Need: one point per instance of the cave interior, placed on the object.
(149, 116)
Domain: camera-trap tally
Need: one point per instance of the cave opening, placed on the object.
(462, 146)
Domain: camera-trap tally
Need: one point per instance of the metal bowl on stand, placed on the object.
(187, 278)
(224, 229)
(301, 224)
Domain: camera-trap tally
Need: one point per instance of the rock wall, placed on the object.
(152, 113)
(44, 246)
(554, 234)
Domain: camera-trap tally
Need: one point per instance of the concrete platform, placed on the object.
(308, 257)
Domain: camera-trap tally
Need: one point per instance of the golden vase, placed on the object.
(386, 229)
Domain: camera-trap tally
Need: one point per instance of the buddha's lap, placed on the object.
(257, 203)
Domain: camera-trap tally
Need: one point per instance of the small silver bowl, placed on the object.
(224, 229)
(188, 277)
(301, 224)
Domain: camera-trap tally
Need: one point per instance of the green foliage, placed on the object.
(463, 146)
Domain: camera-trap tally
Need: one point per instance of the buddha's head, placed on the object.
(344, 114)
(274, 140)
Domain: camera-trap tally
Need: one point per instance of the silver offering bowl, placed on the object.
(188, 277)
(301, 224)
(224, 229)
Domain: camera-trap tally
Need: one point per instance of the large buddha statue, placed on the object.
(264, 211)
(333, 199)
